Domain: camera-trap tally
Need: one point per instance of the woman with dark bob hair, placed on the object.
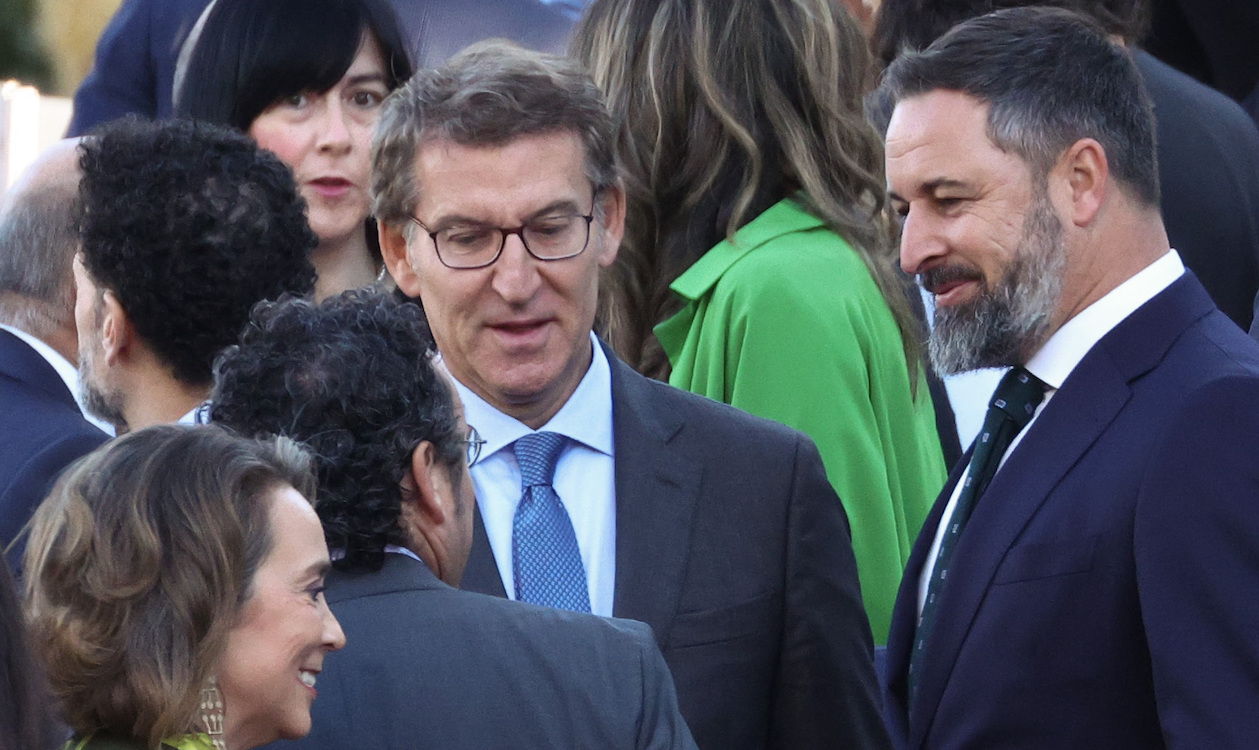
(306, 79)
(175, 592)
(758, 265)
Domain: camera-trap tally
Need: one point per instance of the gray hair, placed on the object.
(488, 95)
(38, 239)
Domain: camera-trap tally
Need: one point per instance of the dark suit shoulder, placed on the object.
(706, 418)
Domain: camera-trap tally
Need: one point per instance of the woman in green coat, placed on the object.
(758, 266)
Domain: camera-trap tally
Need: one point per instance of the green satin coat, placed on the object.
(787, 323)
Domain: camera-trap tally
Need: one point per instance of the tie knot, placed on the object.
(1018, 395)
(537, 453)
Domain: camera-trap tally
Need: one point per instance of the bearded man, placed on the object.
(1077, 583)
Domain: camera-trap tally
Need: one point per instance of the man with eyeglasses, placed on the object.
(497, 193)
(353, 379)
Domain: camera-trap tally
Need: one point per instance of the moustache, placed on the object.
(940, 278)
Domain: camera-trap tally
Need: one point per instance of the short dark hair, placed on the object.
(1051, 77)
(138, 565)
(489, 94)
(251, 54)
(354, 381)
(913, 24)
(190, 224)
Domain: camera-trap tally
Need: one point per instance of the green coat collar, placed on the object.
(784, 217)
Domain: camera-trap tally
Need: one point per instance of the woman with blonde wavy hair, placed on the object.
(758, 266)
(175, 592)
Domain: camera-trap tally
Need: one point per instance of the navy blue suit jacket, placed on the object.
(41, 432)
(1103, 593)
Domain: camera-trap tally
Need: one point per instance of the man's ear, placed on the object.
(428, 510)
(611, 222)
(117, 333)
(393, 250)
(1087, 178)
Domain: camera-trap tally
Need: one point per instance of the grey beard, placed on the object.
(1001, 326)
(104, 406)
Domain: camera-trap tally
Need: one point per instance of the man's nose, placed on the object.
(516, 275)
(920, 242)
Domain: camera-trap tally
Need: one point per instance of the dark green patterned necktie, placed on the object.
(1012, 407)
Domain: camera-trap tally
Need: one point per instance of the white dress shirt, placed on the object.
(65, 370)
(1054, 361)
(583, 480)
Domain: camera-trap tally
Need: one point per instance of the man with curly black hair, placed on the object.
(185, 226)
(426, 665)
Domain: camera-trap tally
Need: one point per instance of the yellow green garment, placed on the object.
(787, 323)
(94, 742)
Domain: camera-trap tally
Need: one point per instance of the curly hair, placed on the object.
(189, 225)
(353, 380)
(138, 565)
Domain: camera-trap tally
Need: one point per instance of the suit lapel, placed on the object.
(1089, 400)
(657, 486)
(481, 573)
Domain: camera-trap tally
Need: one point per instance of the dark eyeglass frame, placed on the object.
(505, 232)
(475, 443)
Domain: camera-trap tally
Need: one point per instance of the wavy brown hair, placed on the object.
(137, 566)
(725, 107)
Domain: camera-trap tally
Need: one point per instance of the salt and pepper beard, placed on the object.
(106, 406)
(1008, 320)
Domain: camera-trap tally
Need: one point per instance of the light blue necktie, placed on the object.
(546, 562)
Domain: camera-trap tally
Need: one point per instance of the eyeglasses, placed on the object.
(475, 442)
(549, 237)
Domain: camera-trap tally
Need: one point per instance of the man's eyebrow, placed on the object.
(559, 206)
(929, 187)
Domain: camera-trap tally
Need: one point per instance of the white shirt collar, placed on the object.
(1068, 345)
(64, 369)
(582, 419)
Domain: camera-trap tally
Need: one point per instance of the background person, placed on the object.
(185, 227)
(42, 427)
(396, 501)
(26, 709)
(757, 266)
(175, 588)
(305, 79)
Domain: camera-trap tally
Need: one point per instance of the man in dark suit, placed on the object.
(41, 426)
(495, 182)
(136, 56)
(1077, 583)
(426, 665)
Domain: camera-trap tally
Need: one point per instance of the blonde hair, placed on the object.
(725, 107)
(137, 565)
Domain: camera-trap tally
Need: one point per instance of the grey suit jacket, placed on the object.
(428, 666)
(734, 547)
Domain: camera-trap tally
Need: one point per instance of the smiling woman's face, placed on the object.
(282, 633)
(325, 137)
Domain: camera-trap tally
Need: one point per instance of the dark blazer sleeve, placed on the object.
(33, 481)
(661, 726)
(1196, 532)
(135, 63)
(826, 693)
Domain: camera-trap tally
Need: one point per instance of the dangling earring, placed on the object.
(212, 712)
